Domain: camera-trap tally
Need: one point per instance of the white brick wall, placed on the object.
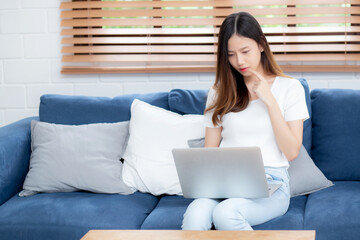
(42, 46)
(207, 77)
(12, 97)
(14, 115)
(13, 4)
(126, 77)
(146, 87)
(1, 119)
(23, 21)
(26, 71)
(196, 85)
(34, 92)
(40, 3)
(53, 18)
(11, 46)
(30, 64)
(161, 77)
(344, 84)
(109, 90)
(1, 72)
(318, 84)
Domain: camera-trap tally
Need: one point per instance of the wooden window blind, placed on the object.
(128, 36)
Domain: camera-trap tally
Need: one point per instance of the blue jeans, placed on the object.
(240, 213)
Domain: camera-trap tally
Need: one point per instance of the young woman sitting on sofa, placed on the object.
(252, 103)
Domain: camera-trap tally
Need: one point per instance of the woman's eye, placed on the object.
(230, 54)
(245, 52)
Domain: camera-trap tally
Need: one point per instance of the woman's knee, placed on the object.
(226, 217)
(198, 215)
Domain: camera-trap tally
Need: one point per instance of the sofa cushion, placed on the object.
(74, 110)
(71, 215)
(336, 133)
(169, 212)
(184, 101)
(193, 102)
(334, 212)
(293, 219)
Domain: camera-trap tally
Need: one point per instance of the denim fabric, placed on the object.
(240, 213)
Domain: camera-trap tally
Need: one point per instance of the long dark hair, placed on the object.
(232, 93)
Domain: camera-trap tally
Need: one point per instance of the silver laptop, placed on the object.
(236, 172)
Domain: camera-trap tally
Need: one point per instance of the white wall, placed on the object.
(30, 63)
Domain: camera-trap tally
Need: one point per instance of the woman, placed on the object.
(252, 103)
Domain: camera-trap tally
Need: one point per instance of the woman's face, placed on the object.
(244, 53)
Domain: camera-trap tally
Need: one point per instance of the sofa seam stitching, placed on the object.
(149, 214)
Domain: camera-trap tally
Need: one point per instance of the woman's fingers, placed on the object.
(258, 75)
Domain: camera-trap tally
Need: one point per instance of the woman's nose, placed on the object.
(240, 60)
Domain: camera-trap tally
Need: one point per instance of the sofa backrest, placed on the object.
(75, 110)
(336, 132)
(193, 102)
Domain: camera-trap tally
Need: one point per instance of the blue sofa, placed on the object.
(331, 136)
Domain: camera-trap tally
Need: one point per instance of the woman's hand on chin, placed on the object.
(262, 88)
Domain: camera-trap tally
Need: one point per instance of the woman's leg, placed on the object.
(198, 215)
(241, 213)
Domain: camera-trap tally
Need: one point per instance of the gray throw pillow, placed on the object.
(305, 176)
(67, 158)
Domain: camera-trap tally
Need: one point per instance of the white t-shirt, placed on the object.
(252, 126)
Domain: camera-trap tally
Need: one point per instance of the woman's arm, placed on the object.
(288, 135)
(212, 137)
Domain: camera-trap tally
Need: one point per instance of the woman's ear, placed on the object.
(262, 43)
(260, 48)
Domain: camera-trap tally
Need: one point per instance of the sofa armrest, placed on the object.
(15, 149)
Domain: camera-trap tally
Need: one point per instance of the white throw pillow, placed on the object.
(149, 165)
(67, 158)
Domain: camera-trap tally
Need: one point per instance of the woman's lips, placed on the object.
(243, 69)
